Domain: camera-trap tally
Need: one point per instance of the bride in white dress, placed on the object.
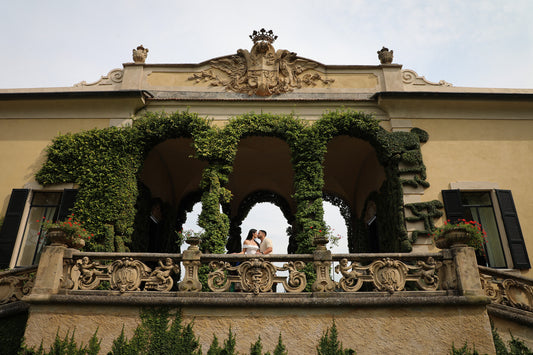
(250, 246)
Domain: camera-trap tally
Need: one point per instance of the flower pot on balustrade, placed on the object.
(453, 238)
(320, 242)
(58, 237)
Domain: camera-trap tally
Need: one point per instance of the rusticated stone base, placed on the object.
(396, 328)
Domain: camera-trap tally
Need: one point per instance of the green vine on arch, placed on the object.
(106, 164)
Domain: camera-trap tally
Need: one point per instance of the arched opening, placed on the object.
(170, 177)
(270, 218)
(352, 173)
(170, 172)
(271, 204)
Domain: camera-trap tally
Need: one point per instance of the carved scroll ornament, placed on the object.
(263, 71)
(410, 77)
(114, 77)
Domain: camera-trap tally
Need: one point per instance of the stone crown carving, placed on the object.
(262, 71)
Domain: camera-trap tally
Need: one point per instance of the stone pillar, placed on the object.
(467, 272)
(133, 76)
(49, 271)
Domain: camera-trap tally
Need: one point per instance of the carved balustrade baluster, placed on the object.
(191, 264)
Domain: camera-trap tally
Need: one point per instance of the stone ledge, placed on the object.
(9, 309)
(234, 299)
(513, 314)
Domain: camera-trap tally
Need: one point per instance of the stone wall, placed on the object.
(384, 327)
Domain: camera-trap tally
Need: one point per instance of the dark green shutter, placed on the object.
(67, 202)
(10, 227)
(513, 230)
(452, 205)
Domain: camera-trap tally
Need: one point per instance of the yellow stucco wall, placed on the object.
(22, 148)
(496, 151)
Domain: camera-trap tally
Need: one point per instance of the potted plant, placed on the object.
(462, 232)
(69, 232)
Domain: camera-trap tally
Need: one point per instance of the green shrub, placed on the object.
(330, 345)
(156, 336)
(65, 346)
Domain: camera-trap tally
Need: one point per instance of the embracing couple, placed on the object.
(251, 244)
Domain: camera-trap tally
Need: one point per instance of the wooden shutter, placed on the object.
(452, 205)
(10, 227)
(67, 202)
(515, 237)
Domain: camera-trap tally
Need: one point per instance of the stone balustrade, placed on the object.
(65, 270)
(15, 284)
(506, 289)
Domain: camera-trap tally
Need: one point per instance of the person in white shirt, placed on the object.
(266, 246)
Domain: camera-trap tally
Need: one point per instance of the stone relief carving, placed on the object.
(263, 71)
(114, 77)
(140, 54)
(256, 275)
(410, 77)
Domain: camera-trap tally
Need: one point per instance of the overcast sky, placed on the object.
(479, 43)
(485, 43)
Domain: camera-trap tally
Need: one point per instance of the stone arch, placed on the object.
(352, 172)
(263, 161)
(389, 154)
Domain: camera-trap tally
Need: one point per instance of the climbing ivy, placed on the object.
(106, 164)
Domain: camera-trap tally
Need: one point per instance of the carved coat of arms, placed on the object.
(263, 71)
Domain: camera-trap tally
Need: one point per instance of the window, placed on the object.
(20, 242)
(495, 211)
(43, 204)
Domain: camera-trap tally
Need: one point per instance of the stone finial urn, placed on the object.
(58, 237)
(193, 242)
(320, 242)
(140, 54)
(385, 55)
